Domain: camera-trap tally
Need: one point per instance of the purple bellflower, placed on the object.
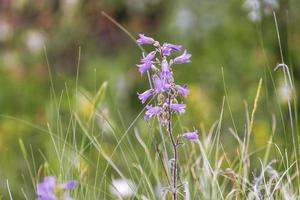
(192, 136)
(158, 84)
(167, 48)
(144, 67)
(182, 90)
(159, 66)
(184, 58)
(149, 57)
(178, 107)
(145, 95)
(165, 68)
(152, 111)
(145, 40)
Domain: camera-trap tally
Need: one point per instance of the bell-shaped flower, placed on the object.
(165, 67)
(184, 58)
(145, 40)
(158, 84)
(145, 95)
(168, 48)
(152, 111)
(149, 57)
(193, 136)
(178, 107)
(182, 90)
(144, 67)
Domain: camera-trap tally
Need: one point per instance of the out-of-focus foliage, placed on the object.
(40, 36)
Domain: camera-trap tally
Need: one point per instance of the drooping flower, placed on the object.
(193, 136)
(178, 107)
(145, 95)
(158, 84)
(165, 68)
(145, 40)
(152, 111)
(182, 90)
(144, 67)
(184, 58)
(149, 57)
(167, 48)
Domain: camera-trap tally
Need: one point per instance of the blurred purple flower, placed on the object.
(144, 67)
(145, 40)
(45, 189)
(184, 58)
(178, 107)
(167, 48)
(70, 185)
(152, 111)
(145, 95)
(182, 90)
(193, 136)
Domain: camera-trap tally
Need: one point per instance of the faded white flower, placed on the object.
(257, 8)
(35, 41)
(285, 93)
(253, 8)
(185, 19)
(122, 188)
(270, 5)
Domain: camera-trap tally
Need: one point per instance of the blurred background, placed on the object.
(236, 36)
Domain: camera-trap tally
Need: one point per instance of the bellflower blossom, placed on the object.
(152, 111)
(145, 40)
(182, 90)
(49, 189)
(149, 57)
(145, 95)
(178, 107)
(158, 84)
(144, 66)
(167, 48)
(184, 58)
(193, 136)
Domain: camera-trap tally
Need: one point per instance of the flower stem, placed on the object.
(174, 148)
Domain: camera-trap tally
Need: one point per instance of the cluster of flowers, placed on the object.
(49, 189)
(165, 89)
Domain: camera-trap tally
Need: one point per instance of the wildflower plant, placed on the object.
(159, 64)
